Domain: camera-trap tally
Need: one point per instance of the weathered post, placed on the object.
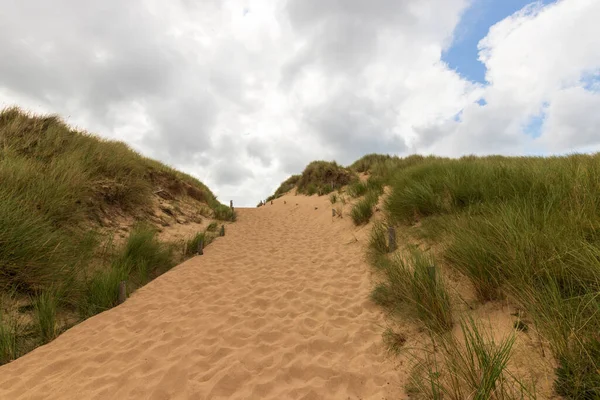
(271, 202)
(122, 292)
(231, 204)
(200, 247)
(391, 239)
(222, 233)
(333, 212)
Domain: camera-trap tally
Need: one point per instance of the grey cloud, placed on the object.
(344, 35)
(90, 52)
(260, 150)
(489, 129)
(184, 126)
(355, 125)
(230, 172)
(99, 56)
(306, 14)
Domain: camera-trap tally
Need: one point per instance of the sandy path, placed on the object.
(276, 309)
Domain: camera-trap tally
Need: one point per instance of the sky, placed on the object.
(244, 93)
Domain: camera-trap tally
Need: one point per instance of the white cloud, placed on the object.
(537, 62)
(573, 121)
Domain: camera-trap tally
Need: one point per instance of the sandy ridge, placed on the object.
(277, 309)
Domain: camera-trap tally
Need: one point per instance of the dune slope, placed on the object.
(278, 308)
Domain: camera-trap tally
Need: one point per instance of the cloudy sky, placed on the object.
(243, 93)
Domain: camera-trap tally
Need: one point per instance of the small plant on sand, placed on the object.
(470, 367)
(378, 245)
(45, 315)
(393, 341)
(414, 281)
(224, 213)
(191, 247)
(101, 292)
(212, 227)
(144, 256)
(363, 210)
(141, 258)
(357, 189)
(382, 295)
(333, 198)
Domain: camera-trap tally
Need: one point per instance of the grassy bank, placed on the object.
(63, 195)
(523, 230)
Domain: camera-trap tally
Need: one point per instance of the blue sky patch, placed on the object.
(474, 25)
(591, 81)
(533, 127)
(458, 116)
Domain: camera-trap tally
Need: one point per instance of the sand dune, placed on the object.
(277, 309)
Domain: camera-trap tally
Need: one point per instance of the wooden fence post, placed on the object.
(231, 204)
(200, 247)
(122, 292)
(333, 212)
(391, 239)
(222, 233)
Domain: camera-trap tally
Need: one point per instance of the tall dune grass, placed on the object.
(526, 228)
(45, 315)
(141, 258)
(57, 187)
(472, 366)
(55, 181)
(412, 281)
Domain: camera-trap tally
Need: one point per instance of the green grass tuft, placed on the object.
(378, 245)
(45, 306)
(192, 244)
(362, 211)
(101, 292)
(382, 295)
(322, 177)
(142, 258)
(415, 282)
(393, 341)
(357, 189)
(470, 367)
